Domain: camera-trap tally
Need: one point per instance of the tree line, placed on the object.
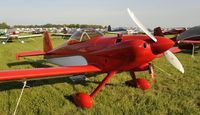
(59, 26)
(4, 25)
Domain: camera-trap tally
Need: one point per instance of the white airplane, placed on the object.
(12, 33)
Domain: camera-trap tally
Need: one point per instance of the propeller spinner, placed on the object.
(168, 54)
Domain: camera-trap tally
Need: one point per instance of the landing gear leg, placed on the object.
(151, 72)
(22, 41)
(132, 82)
(193, 47)
(84, 100)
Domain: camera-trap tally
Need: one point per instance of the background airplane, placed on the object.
(14, 34)
(119, 30)
(185, 40)
(2, 32)
(65, 33)
(90, 51)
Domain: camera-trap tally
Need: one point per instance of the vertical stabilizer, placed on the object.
(158, 31)
(47, 45)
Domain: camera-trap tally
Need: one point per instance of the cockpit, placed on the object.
(83, 35)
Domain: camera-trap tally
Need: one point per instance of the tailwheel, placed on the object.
(82, 99)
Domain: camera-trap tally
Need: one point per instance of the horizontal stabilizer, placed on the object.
(32, 53)
(45, 72)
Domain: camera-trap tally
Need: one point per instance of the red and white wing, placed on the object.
(45, 72)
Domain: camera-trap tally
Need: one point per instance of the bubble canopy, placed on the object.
(84, 35)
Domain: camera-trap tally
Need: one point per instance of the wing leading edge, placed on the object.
(45, 72)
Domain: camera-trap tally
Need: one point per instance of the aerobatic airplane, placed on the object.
(90, 51)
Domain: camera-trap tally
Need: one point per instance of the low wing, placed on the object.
(45, 72)
(30, 36)
(3, 37)
(173, 50)
(190, 41)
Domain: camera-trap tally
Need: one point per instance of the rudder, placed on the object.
(47, 45)
(158, 31)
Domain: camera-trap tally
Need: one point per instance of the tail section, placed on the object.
(158, 31)
(47, 45)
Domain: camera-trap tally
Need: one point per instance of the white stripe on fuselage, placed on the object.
(68, 61)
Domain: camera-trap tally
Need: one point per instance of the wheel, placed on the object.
(139, 83)
(142, 83)
(82, 99)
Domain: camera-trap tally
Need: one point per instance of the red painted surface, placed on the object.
(103, 54)
(34, 53)
(143, 83)
(182, 44)
(44, 72)
(83, 99)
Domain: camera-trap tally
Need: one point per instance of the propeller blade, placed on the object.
(140, 25)
(173, 60)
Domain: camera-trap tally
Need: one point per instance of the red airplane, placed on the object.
(186, 40)
(90, 51)
(174, 31)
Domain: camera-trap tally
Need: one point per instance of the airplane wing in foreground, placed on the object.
(45, 72)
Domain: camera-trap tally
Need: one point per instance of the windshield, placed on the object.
(84, 34)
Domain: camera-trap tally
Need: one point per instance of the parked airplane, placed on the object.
(12, 33)
(65, 33)
(119, 30)
(173, 31)
(90, 51)
(186, 40)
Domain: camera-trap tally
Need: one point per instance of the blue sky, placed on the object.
(152, 13)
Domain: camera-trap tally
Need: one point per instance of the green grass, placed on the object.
(175, 94)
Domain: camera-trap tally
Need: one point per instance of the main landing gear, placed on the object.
(141, 82)
(84, 100)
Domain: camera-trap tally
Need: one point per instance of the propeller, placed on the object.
(140, 25)
(168, 54)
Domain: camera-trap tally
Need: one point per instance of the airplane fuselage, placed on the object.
(108, 53)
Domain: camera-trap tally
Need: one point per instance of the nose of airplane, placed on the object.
(162, 45)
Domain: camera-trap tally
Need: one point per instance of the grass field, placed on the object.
(171, 94)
